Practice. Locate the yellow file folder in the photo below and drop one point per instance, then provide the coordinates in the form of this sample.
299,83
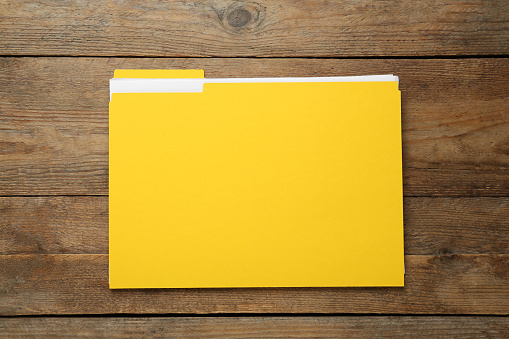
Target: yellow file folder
257,185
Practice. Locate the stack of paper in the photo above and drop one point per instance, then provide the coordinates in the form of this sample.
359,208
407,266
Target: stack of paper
254,182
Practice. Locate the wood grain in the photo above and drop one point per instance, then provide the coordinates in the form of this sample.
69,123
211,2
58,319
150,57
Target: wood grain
54,119
78,284
51,225
228,28
264,327
79,225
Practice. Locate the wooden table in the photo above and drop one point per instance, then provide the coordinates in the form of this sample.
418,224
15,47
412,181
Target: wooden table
451,57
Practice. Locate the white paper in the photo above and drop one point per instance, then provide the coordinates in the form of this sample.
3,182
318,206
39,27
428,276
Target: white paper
126,85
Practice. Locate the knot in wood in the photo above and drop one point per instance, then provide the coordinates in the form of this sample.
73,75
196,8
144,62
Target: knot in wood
238,17
242,16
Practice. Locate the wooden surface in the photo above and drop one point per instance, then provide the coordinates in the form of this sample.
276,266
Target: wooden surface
451,57
264,327
266,28
79,225
78,284
54,119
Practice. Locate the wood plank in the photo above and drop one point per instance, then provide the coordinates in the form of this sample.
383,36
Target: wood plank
79,225
249,327
78,284
52,225
54,119
262,28
456,225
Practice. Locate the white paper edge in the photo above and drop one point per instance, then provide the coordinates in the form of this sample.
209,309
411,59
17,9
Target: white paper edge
127,85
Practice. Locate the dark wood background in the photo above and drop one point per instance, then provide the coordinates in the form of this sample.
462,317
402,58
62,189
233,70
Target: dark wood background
451,57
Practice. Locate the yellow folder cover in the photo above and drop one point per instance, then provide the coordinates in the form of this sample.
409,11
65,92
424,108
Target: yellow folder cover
257,185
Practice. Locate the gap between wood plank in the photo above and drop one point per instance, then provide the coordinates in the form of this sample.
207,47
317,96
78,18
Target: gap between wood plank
356,57
250,315
444,255
107,195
